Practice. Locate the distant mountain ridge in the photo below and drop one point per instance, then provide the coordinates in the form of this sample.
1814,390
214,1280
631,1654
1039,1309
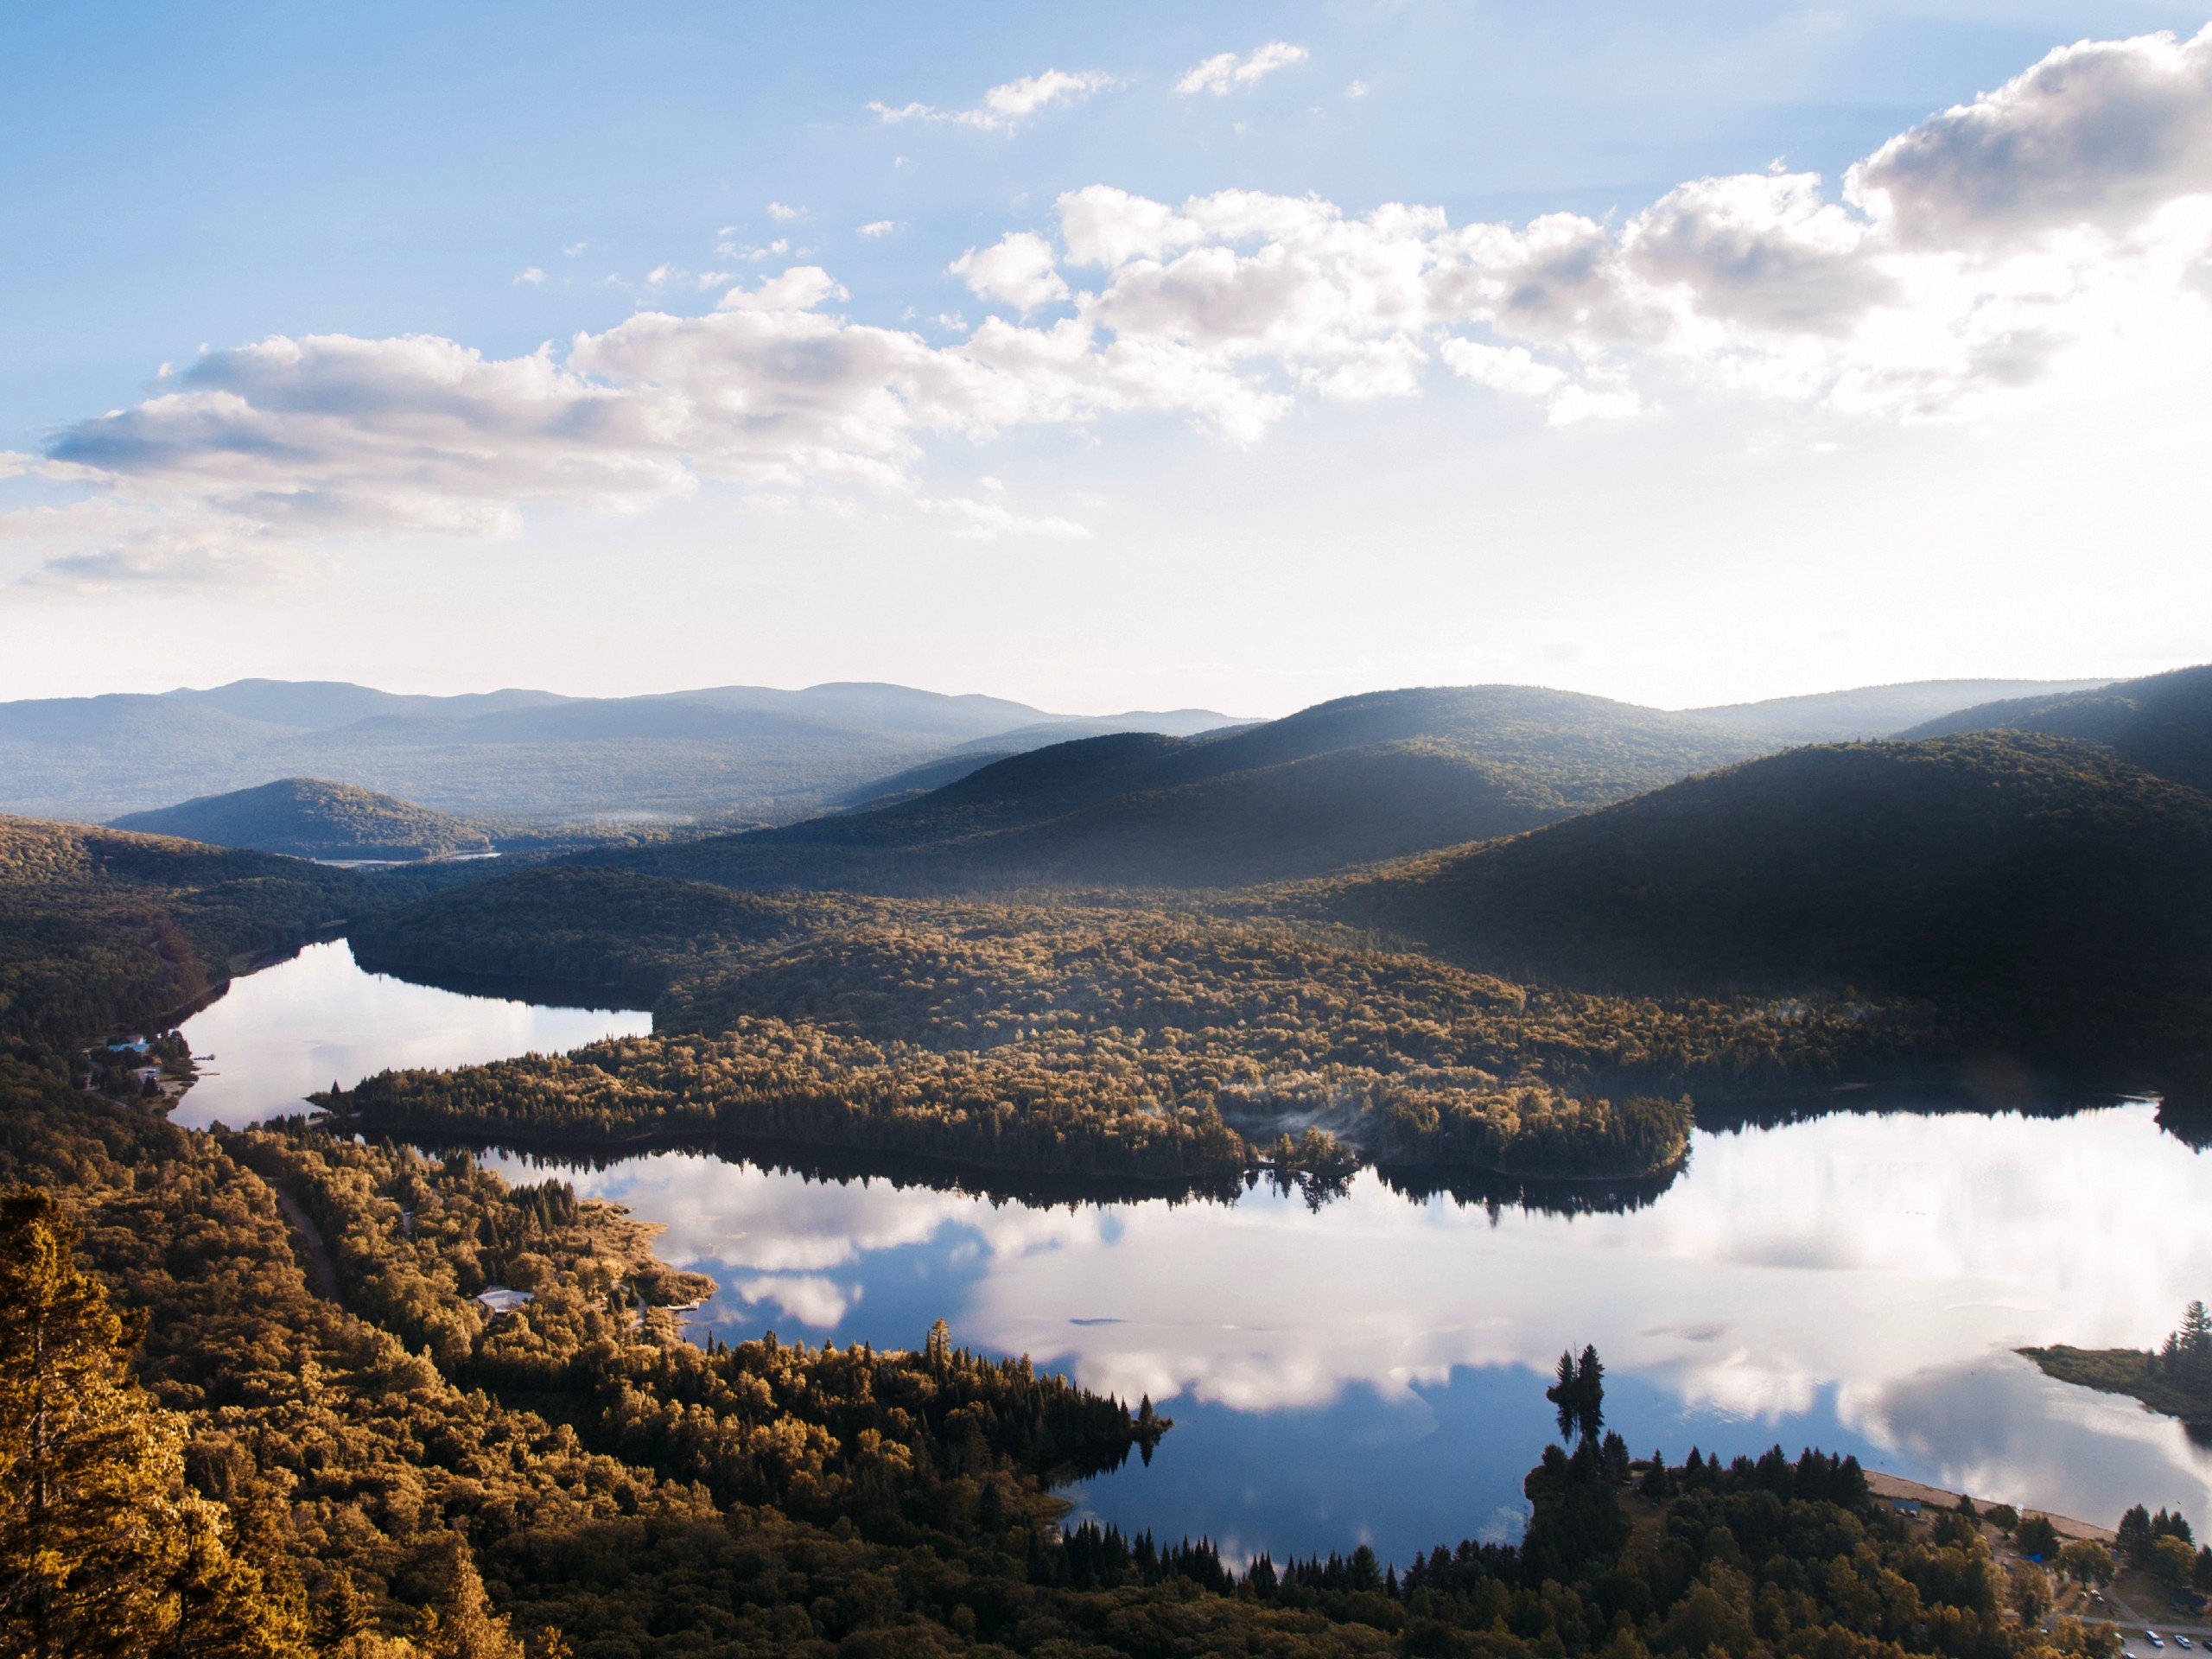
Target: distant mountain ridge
1345,782
2162,723
727,752
313,817
1870,711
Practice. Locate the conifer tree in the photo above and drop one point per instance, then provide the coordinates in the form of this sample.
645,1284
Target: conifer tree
103,1554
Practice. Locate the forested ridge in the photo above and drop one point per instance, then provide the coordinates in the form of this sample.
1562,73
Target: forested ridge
2052,899
98,927
1345,782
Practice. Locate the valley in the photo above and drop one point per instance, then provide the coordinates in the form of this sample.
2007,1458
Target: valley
1298,1085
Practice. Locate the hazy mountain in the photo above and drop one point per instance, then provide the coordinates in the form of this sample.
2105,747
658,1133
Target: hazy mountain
1871,710
2009,868
727,752
1344,782
318,705
2163,723
312,817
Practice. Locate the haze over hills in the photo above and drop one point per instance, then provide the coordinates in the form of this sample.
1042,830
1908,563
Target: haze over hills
2162,723
729,753
1344,782
313,817
1872,710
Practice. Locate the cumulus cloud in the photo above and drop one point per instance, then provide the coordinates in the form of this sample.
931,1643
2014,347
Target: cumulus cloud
1005,107
876,228
1225,71
2060,227
1018,269
2102,134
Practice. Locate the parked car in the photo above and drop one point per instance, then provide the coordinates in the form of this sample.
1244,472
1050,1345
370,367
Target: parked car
2156,1640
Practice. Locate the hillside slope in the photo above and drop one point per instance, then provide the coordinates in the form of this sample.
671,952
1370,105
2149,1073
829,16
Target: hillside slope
99,926
1345,782
2034,878
313,817
2162,723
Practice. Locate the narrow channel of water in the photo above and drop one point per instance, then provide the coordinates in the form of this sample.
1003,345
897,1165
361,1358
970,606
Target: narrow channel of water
1374,1370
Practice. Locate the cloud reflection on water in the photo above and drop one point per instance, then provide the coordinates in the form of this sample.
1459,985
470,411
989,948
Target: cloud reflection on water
1871,1273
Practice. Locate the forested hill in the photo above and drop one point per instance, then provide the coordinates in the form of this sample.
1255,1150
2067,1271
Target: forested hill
1345,782
2162,724
313,817
99,926
2037,879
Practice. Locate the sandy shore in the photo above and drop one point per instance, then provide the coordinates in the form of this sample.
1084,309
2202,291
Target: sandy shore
1937,1497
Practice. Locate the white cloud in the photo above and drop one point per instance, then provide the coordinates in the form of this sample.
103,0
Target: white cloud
876,228
1975,262
533,275
777,211
2102,134
1503,368
1018,269
1225,71
1005,107
1357,89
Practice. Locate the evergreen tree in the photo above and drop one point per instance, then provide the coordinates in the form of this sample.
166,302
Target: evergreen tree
463,1625
2135,1534
103,1554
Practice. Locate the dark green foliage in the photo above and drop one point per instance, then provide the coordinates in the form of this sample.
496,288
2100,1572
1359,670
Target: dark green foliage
313,817
2162,723
2176,1379
2056,899
99,927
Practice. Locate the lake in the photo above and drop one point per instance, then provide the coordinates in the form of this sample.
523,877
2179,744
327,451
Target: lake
316,1019
1373,1369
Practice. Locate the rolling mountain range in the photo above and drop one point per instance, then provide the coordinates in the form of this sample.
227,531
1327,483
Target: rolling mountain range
2041,880
1346,782
2159,723
739,752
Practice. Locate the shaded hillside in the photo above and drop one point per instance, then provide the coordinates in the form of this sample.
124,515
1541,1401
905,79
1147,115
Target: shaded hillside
1346,782
1870,711
2021,879
313,817
743,753
2163,723
99,926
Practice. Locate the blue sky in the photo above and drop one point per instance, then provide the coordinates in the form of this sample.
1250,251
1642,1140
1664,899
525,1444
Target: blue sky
1735,499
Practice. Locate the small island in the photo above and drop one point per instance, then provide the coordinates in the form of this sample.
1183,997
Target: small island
2175,1379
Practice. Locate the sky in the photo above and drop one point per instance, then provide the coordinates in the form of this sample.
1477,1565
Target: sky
1139,356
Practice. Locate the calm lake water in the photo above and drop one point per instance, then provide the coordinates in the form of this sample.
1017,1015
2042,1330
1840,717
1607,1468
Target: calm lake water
317,1019
1374,1370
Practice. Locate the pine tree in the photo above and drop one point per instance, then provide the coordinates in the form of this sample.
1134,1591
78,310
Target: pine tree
103,1554
463,1625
